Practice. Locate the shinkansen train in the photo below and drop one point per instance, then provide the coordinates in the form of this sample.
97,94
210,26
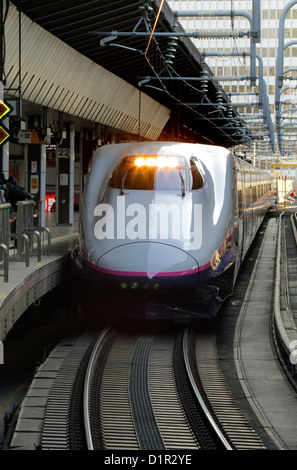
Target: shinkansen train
164,227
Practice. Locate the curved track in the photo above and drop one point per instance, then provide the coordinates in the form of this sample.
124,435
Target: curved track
144,392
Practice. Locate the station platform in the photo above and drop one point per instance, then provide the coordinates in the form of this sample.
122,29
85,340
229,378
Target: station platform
28,284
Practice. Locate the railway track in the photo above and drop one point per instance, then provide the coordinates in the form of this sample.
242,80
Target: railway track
284,326
154,390
149,391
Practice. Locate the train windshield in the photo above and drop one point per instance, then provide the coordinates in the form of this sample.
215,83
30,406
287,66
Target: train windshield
150,173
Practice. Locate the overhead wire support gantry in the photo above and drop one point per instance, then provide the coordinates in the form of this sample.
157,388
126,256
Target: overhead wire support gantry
280,73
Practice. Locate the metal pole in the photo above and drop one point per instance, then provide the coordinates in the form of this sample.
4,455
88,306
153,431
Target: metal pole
263,98
113,35
1,41
279,70
71,172
1,67
280,55
256,21
42,184
20,64
5,151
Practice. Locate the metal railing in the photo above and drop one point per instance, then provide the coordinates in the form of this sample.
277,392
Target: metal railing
21,229
25,230
43,230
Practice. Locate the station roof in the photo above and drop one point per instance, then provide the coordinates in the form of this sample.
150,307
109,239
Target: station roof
200,116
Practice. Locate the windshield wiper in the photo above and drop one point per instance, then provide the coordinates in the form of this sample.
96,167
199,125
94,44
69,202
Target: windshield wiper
183,185
123,182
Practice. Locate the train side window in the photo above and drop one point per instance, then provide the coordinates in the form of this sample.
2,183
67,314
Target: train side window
254,193
197,180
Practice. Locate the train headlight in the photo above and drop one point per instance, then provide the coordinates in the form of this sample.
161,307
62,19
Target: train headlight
150,161
162,162
140,161
159,162
171,163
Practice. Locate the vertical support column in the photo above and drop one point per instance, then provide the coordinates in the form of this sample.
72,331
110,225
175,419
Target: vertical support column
1,41
5,152
279,72
42,183
71,173
65,179
81,173
62,193
279,67
253,64
35,158
26,152
256,21
1,84
33,170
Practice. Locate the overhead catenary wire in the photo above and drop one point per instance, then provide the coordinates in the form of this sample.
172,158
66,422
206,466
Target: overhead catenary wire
190,108
190,86
154,27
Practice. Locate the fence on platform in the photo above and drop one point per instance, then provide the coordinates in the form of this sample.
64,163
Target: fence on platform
21,234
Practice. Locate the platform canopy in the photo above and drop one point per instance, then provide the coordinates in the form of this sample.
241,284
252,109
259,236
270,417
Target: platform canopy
168,68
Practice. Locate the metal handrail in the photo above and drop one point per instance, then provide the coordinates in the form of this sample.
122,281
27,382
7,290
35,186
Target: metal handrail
43,229
25,226
25,232
5,249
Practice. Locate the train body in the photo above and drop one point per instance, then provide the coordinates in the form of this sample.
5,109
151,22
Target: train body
164,227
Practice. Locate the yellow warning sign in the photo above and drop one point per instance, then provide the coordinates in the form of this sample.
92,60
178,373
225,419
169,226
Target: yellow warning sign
34,184
4,109
4,134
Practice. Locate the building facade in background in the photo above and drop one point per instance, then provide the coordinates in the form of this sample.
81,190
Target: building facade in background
240,66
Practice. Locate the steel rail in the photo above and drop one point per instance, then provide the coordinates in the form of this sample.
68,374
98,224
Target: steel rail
97,346
204,408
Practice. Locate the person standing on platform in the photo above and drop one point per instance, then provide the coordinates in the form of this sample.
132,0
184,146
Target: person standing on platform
13,192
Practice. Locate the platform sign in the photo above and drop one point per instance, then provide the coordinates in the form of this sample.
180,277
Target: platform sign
34,184
4,134
5,109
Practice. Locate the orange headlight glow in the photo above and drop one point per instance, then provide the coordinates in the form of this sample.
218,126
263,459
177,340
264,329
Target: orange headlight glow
159,162
171,162
150,161
139,161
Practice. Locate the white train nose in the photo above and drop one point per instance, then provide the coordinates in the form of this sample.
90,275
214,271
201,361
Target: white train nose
148,260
